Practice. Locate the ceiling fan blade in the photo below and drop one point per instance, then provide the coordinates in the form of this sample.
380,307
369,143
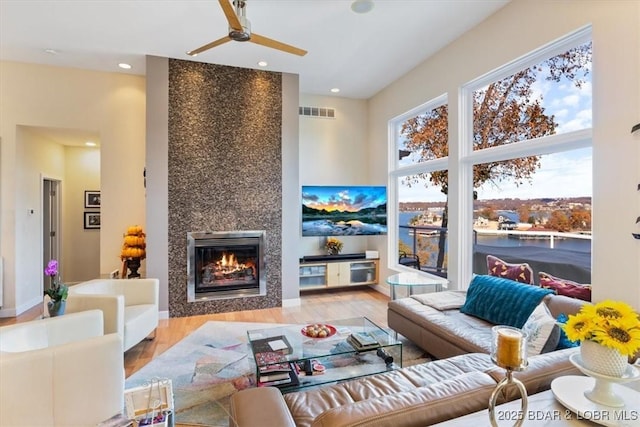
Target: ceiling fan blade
209,46
274,44
230,13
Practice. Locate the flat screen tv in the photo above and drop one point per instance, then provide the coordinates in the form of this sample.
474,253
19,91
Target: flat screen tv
344,210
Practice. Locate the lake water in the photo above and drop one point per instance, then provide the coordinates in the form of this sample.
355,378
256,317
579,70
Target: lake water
580,245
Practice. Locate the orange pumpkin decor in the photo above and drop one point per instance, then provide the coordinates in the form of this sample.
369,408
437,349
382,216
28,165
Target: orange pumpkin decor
134,244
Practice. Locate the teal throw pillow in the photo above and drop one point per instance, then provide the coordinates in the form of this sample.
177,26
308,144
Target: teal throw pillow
502,301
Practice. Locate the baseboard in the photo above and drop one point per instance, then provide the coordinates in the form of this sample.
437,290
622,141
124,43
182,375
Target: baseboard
15,312
8,312
163,315
293,302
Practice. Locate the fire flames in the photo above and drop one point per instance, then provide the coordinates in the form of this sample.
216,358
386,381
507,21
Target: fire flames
229,264
228,268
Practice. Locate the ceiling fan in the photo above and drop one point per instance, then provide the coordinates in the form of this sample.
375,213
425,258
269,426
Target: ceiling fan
240,31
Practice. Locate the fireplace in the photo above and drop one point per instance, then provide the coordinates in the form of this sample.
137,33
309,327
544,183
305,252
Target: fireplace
225,264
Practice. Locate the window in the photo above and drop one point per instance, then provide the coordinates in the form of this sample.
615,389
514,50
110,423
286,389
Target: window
522,160
551,211
422,225
419,181
549,98
423,137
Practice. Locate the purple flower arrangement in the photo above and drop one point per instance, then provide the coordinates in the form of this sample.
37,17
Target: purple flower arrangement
57,291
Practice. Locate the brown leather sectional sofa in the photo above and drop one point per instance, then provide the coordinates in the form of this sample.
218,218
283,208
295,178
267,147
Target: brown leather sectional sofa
418,395
461,382
443,332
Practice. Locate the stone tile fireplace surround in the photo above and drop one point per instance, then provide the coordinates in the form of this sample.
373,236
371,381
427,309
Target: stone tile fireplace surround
224,171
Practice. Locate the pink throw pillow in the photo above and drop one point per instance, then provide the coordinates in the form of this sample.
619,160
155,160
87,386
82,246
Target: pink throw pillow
565,287
518,272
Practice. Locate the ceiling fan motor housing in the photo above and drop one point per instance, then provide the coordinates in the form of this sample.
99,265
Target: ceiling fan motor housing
241,35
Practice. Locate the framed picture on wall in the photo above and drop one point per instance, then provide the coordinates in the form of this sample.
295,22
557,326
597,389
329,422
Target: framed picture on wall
91,199
91,220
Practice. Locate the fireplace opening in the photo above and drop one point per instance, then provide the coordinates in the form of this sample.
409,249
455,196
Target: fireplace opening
225,264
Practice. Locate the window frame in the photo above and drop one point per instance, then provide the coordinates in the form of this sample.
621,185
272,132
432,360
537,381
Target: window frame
462,157
397,171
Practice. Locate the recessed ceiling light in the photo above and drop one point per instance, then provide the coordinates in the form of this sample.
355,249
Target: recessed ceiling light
335,90
263,63
124,66
362,6
51,51
90,144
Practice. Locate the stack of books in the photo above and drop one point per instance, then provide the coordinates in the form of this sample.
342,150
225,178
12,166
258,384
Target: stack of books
273,366
363,341
278,375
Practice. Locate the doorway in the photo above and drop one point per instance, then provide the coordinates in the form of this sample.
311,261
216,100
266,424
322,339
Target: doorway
50,222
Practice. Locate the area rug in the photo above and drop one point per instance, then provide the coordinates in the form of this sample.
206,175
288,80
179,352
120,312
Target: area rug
211,364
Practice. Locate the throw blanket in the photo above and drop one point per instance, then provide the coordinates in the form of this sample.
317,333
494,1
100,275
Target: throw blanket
502,301
447,300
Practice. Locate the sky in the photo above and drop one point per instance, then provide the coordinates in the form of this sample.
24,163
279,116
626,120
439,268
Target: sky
567,174
343,198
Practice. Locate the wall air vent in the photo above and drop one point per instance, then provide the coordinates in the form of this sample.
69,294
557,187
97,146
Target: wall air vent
321,112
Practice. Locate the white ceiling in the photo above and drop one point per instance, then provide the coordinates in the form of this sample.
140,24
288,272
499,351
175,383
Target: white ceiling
358,53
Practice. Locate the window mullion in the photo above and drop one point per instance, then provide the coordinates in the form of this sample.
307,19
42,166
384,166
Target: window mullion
544,145
461,195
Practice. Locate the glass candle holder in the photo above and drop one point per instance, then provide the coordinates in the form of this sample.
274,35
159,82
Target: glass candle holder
508,351
509,347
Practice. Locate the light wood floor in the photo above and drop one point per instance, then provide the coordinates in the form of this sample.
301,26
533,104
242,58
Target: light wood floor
314,307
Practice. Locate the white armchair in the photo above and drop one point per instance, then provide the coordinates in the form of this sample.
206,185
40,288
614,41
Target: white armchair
130,306
60,371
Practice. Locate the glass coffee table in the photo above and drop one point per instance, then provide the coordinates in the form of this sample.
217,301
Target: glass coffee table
291,357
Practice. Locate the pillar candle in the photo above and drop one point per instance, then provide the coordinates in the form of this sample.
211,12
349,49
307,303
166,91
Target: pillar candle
508,348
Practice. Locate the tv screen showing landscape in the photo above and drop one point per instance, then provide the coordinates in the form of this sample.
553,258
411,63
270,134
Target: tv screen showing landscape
344,210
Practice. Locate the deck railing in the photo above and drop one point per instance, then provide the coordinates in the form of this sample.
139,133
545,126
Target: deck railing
551,236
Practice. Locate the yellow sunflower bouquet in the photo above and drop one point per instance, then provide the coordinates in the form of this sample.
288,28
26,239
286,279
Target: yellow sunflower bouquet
610,323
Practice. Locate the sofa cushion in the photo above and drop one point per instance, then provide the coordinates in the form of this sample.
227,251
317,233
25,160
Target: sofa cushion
542,331
364,398
541,371
565,287
18,339
502,301
438,402
468,333
447,300
517,272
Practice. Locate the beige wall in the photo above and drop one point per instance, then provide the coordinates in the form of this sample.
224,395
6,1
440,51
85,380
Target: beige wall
77,169
80,247
111,104
515,30
38,158
335,152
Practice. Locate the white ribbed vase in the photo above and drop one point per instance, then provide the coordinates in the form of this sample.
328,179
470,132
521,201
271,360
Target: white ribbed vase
603,360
